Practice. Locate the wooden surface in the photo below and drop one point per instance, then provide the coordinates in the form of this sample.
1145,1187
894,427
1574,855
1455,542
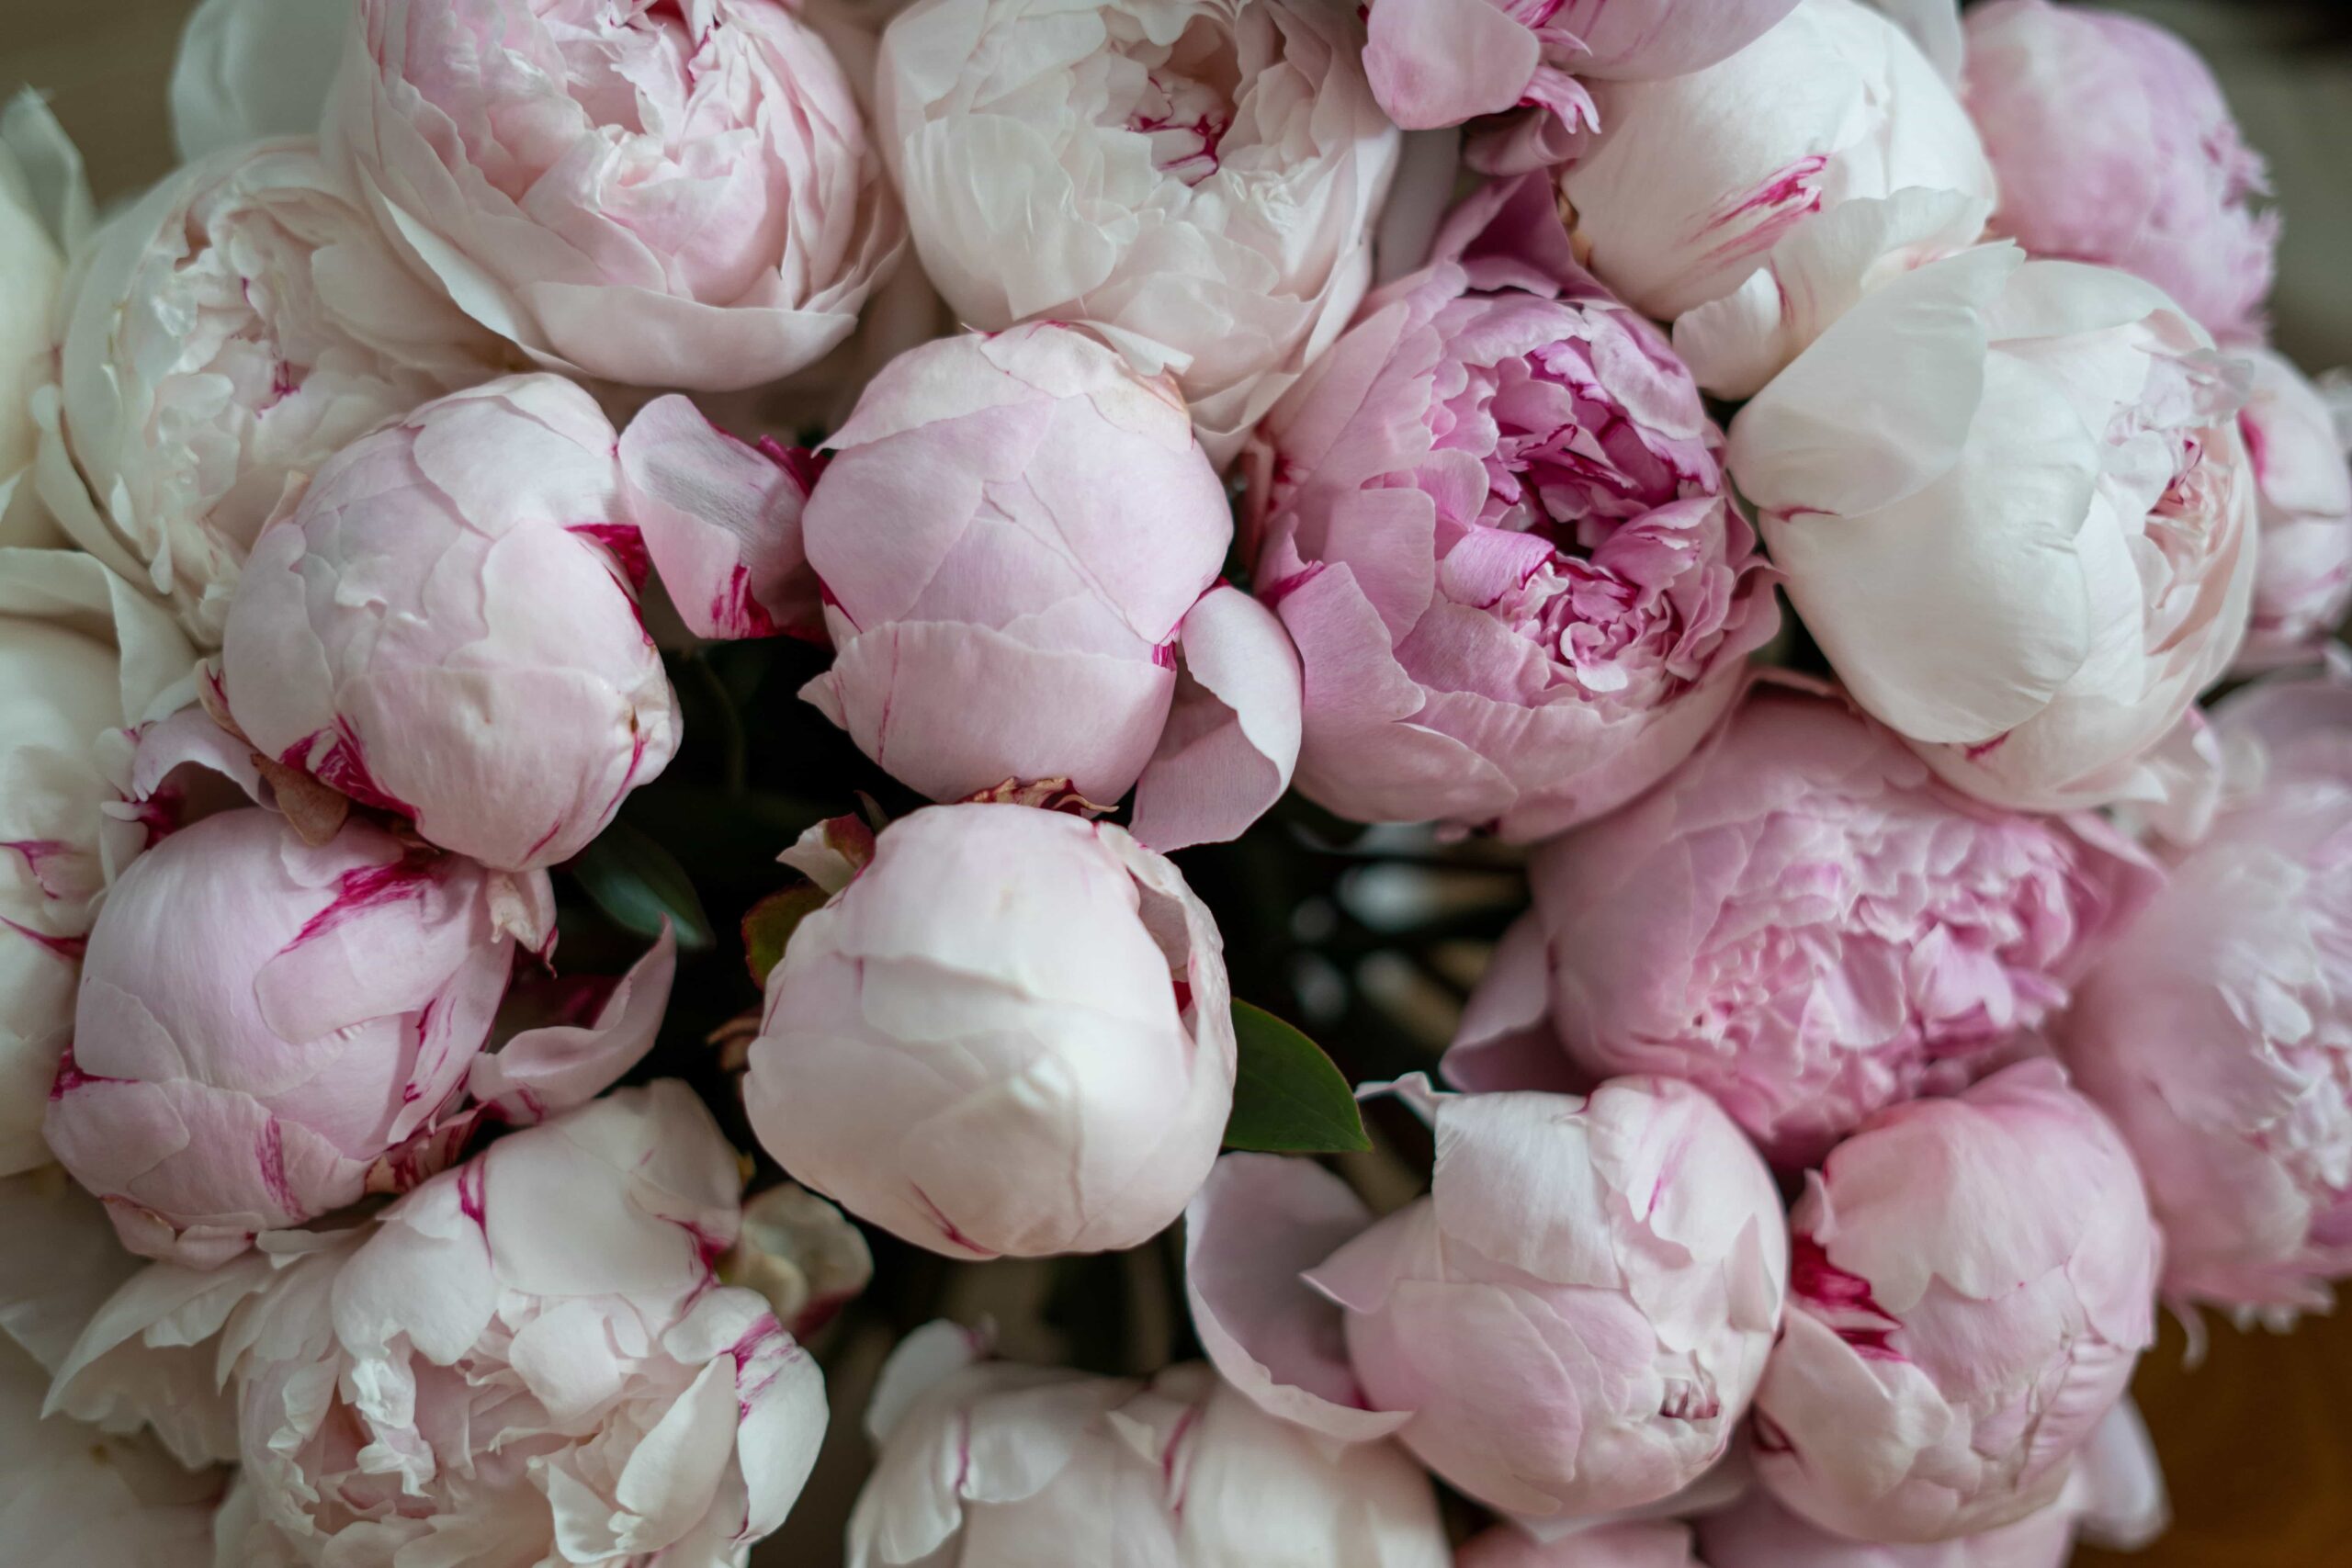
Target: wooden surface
2256,1442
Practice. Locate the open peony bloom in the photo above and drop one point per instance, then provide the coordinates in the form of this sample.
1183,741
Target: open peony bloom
1806,925
1010,1034
1493,521
1439,62
1972,1284
268,1029
445,627
987,1464
1745,170
223,337
2113,145
2297,439
249,69
1633,1544
2014,510
1197,181
1051,560
2218,1033
1571,1324
670,193
82,658
527,1359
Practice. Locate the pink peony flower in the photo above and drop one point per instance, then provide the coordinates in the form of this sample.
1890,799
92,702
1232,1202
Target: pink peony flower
674,193
1010,1034
1197,182
1494,522
2218,1032
2014,511
2113,145
1971,1285
528,1358
1696,181
445,627
2296,438
1046,603
1571,1324
222,338
1808,926
268,1029
986,1464
43,206
1439,62
82,659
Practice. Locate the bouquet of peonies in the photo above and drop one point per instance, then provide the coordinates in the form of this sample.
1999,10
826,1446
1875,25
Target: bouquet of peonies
1158,513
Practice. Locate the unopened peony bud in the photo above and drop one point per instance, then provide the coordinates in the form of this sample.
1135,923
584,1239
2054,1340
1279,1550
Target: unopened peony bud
1044,605
1972,1282
1570,1325
1010,1034
445,627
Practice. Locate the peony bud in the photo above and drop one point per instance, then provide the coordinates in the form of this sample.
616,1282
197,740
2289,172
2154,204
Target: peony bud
1972,1284
82,658
445,627
2218,1032
223,337
1493,523
2015,513
801,1254
2112,145
673,194
1009,1036
2296,438
992,1465
1571,1324
1696,181
1808,926
1198,184
1057,537
268,1029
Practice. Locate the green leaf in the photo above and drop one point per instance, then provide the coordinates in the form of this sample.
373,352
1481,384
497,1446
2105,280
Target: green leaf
1288,1099
769,927
635,881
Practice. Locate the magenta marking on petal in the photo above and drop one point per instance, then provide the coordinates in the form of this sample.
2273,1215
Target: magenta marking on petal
1686,1401
1275,593
804,466
624,543
472,1200
735,612
269,1158
369,887
69,948
1169,1457
766,1344
37,853
947,1226
1984,749
69,1077
1839,1299
342,766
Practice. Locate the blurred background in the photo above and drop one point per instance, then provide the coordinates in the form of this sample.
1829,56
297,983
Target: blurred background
2257,1438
